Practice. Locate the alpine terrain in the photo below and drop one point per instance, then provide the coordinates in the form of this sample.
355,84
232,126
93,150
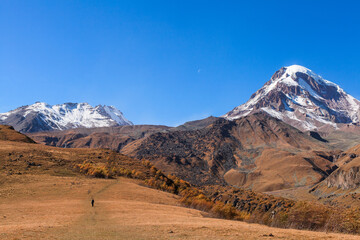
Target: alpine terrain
303,99
255,164
44,117
53,187
258,152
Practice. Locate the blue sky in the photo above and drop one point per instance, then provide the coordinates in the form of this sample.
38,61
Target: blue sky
167,62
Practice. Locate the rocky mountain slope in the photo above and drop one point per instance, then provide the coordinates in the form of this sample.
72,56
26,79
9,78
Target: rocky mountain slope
34,175
257,152
114,138
303,99
341,187
259,145
44,117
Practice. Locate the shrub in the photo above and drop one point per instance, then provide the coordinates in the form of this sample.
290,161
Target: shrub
249,206
90,169
306,215
351,221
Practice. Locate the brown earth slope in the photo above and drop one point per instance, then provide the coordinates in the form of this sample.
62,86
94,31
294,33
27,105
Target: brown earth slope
7,133
52,207
346,137
19,155
342,186
114,138
44,196
258,152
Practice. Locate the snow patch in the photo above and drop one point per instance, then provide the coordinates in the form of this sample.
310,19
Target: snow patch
318,110
72,115
309,89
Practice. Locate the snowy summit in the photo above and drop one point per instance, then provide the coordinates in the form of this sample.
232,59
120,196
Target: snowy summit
303,99
44,117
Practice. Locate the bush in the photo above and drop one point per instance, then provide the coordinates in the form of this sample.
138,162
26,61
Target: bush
90,169
249,206
351,221
306,215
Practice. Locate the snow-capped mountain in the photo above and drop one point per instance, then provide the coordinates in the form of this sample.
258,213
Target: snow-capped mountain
44,117
303,99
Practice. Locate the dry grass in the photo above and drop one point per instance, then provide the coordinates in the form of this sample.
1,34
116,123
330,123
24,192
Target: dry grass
50,207
23,159
7,133
236,204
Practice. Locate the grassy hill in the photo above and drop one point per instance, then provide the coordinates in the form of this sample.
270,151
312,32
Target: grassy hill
21,162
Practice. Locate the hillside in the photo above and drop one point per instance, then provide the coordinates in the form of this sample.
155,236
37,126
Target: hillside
54,178
123,210
342,186
7,133
344,138
257,152
114,138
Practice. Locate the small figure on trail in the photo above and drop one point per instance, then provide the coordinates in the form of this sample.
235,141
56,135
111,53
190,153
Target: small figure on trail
92,202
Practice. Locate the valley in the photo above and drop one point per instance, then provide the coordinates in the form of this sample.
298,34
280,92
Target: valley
54,207
288,158
176,120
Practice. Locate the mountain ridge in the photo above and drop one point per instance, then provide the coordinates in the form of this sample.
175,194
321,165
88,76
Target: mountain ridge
41,116
303,99
257,152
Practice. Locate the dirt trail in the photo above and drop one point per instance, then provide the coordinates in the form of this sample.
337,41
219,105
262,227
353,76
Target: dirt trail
44,207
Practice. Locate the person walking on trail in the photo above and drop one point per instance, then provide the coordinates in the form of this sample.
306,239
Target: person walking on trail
92,202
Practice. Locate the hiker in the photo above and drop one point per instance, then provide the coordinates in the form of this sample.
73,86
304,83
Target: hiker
92,202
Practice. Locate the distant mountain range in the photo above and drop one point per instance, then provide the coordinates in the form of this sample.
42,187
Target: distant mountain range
269,143
303,99
257,151
44,117
294,94
297,137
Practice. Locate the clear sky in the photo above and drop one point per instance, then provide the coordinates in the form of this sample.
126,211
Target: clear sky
167,62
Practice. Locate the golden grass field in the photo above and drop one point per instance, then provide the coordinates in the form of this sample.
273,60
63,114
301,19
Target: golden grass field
54,207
